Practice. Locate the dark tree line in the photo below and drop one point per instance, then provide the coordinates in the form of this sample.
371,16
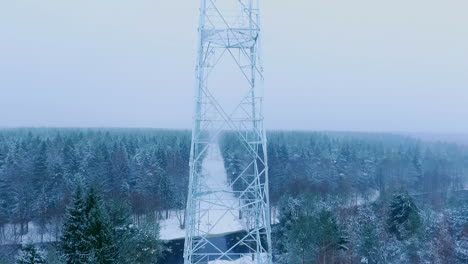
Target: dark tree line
355,164
147,170
40,169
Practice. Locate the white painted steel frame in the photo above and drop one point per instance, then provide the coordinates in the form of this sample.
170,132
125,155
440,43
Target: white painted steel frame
229,28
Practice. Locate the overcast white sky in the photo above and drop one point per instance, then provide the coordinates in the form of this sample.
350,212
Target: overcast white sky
367,65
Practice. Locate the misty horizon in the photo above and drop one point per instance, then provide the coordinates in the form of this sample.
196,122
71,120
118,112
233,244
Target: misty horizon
357,66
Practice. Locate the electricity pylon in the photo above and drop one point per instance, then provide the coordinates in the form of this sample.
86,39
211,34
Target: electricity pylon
229,40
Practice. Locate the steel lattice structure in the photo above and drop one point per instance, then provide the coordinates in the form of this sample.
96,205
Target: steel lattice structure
229,38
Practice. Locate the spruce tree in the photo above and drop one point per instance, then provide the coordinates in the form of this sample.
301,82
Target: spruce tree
40,181
74,241
134,245
30,255
3,154
139,245
308,232
404,220
99,231
40,167
5,199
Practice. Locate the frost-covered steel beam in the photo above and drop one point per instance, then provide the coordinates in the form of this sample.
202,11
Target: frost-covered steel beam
229,30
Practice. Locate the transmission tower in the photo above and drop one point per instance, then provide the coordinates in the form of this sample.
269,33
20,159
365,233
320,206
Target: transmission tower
228,99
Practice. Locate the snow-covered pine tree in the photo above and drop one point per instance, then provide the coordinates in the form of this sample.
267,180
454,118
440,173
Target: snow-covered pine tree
139,245
30,255
74,241
40,167
99,230
40,181
404,219
135,245
308,232
120,170
5,199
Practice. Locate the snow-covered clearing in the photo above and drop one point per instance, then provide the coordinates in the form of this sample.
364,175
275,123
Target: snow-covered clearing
218,211
170,228
243,260
218,214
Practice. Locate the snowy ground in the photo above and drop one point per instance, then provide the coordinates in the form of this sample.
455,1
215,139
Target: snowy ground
218,211
244,260
170,228
218,215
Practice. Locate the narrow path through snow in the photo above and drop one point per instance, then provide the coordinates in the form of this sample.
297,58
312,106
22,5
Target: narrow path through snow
220,214
220,206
